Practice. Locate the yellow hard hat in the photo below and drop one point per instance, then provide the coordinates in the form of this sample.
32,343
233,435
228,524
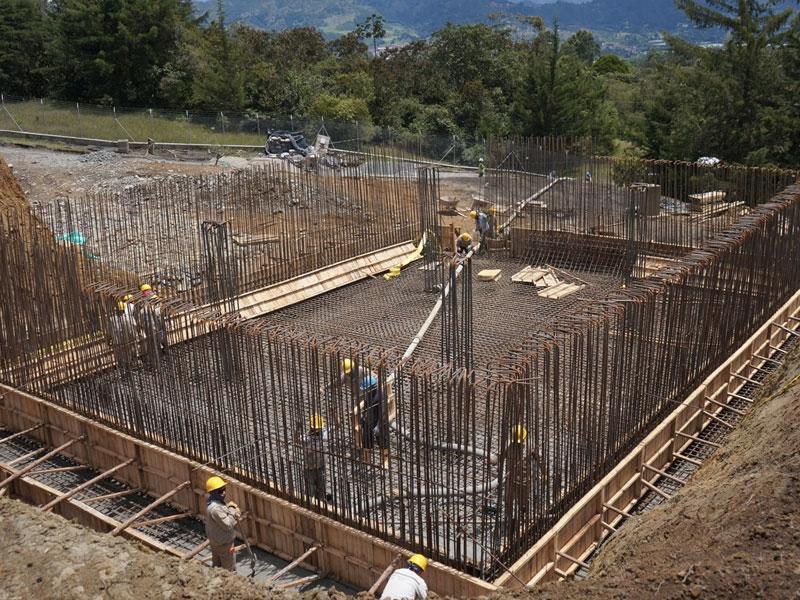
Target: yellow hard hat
121,306
418,560
492,210
316,421
519,434
347,366
145,287
473,214
127,298
214,483
466,237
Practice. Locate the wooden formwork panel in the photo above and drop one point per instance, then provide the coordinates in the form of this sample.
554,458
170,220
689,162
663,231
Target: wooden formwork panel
580,529
278,526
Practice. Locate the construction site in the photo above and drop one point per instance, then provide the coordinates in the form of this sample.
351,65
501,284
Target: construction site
570,369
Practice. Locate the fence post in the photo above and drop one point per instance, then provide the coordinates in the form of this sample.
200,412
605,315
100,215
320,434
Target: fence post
258,124
188,126
222,120
80,121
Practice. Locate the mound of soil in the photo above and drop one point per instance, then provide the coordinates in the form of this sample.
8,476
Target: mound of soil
11,195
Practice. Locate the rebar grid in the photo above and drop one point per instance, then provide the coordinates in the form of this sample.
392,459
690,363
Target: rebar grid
448,472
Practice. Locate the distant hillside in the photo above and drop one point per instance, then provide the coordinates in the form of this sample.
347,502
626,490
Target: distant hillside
419,18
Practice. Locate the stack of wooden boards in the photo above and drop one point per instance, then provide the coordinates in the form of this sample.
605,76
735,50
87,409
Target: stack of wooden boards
548,284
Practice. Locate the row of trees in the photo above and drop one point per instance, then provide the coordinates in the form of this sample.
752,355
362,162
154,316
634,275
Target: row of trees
737,101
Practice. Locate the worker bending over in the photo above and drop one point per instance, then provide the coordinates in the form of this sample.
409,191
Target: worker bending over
407,583
221,521
314,457
463,244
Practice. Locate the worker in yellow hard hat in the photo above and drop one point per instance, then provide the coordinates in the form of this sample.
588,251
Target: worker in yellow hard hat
406,583
152,325
463,244
121,335
221,521
314,443
524,477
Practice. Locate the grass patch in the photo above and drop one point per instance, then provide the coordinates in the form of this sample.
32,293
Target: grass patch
162,126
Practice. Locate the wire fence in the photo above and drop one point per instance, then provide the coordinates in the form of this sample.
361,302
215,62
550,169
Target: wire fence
218,128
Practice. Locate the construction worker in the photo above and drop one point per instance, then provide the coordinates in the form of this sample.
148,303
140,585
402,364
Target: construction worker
221,521
407,583
482,228
314,457
463,244
122,334
481,168
518,462
151,324
369,403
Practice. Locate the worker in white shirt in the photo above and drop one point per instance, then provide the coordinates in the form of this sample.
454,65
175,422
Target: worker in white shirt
407,583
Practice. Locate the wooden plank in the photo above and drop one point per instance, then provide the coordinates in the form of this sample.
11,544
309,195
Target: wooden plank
388,571
9,480
111,496
661,493
58,470
85,485
489,275
293,564
123,526
166,519
301,582
21,433
196,550
24,457
697,439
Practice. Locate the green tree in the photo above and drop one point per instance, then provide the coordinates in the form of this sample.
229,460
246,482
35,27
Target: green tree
218,84
24,32
374,28
583,45
116,50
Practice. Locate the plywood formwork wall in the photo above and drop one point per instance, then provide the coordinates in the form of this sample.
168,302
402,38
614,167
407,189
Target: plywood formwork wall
276,525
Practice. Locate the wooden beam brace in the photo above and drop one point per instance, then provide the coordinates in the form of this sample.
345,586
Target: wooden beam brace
663,474
618,510
20,434
611,528
25,457
697,439
726,406
196,550
301,582
580,563
111,496
766,359
166,519
661,493
293,564
688,459
84,485
740,397
123,526
753,381
59,470
787,329
776,349
25,470
388,571
718,420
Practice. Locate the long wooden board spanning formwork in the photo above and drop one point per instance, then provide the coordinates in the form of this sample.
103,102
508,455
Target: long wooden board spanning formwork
596,515
277,526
